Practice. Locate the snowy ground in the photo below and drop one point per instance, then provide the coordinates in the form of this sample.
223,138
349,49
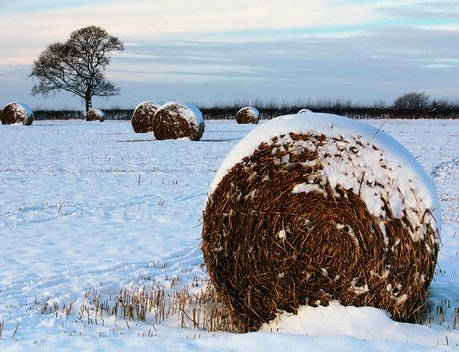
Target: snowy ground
89,209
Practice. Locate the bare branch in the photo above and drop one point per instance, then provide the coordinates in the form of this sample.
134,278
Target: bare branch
77,66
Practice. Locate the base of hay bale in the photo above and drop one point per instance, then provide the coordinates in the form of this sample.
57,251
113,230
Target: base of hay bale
248,114
176,120
95,115
278,232
16,113
142,117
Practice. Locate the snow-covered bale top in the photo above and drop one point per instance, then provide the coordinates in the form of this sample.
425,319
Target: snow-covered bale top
95,115
248,114
310,208
17,113
142,117
176,120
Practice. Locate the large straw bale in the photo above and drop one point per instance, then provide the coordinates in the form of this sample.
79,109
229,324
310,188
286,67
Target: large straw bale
16,113
142,117
95,115
248,114
311,208
176,120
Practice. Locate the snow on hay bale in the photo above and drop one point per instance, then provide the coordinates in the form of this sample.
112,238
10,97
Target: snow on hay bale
142,117
95,115
248,114
176,120
310,208
17,113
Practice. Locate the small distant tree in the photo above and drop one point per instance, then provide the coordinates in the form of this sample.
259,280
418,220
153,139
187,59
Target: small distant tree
77,66
412,101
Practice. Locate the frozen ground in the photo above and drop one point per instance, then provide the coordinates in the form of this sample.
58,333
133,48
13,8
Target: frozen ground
89,209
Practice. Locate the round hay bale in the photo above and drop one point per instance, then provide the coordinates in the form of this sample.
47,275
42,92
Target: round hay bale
176,120
142,117
17,113
304,111
95,115
310,208
248,114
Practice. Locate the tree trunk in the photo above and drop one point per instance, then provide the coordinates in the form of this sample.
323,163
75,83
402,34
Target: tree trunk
88,102
88,98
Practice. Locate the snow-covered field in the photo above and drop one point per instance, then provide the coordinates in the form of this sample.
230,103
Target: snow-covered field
91,209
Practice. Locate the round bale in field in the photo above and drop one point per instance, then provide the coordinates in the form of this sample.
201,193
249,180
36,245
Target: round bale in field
304,111
176,120
310,208
95,115
17,113
142,117
248,114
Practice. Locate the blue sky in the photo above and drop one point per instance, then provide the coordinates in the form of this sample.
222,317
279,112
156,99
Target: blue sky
209,51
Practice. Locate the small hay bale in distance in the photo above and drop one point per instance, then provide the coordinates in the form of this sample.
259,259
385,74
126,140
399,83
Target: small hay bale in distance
95,115
142,117
310,208
249,114
17,113
176,120
304,111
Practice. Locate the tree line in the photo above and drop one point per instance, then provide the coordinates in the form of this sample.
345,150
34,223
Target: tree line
402,108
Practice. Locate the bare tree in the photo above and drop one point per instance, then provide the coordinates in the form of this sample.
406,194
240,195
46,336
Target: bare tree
77,66
412,101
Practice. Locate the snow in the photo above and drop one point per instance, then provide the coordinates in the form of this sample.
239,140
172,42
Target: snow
98,208
148,103
97,112
371,156
306,188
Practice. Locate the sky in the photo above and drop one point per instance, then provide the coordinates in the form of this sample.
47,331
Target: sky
222,51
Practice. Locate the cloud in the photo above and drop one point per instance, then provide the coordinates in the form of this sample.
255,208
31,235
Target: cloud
174,19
